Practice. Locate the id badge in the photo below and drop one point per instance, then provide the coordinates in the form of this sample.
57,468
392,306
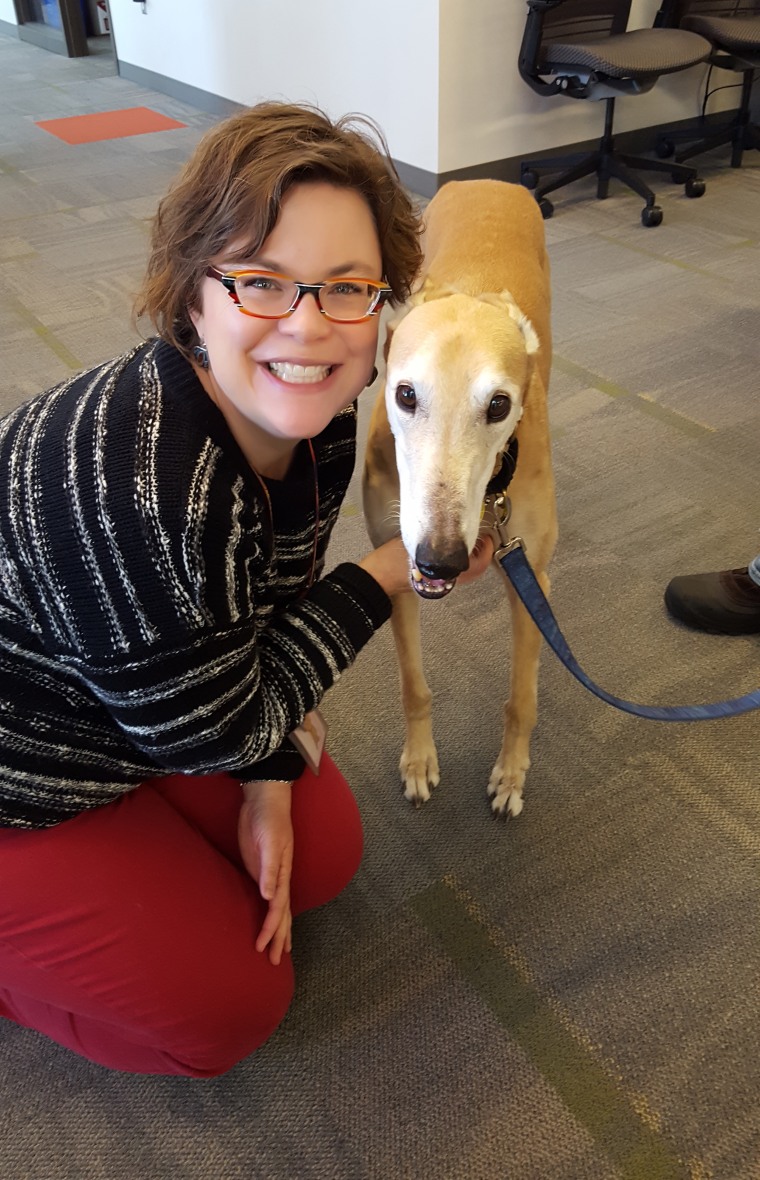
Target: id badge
309,739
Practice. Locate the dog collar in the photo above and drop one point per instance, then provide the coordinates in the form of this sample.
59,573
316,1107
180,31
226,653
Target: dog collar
501,479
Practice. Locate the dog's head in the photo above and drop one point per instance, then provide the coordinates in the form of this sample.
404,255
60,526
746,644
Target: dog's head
458,370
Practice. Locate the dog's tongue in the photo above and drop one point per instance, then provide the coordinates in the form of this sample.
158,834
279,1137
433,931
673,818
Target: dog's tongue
430,587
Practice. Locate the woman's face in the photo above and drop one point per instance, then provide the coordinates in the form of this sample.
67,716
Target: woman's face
323,231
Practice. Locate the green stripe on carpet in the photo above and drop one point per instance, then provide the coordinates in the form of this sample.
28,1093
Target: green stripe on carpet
45,334
688,426
594,1098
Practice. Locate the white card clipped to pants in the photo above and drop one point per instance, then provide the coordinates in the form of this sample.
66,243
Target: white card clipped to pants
309,739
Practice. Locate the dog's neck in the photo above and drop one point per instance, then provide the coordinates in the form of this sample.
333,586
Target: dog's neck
504,469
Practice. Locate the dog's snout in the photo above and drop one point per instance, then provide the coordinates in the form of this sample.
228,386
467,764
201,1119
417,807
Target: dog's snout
443,564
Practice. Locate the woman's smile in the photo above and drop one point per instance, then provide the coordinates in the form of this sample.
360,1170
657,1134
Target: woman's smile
294,373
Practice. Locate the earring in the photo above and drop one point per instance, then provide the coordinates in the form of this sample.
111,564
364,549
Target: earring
373,377
200,352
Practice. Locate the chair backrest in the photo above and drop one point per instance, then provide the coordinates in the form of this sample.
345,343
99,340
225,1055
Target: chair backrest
673,11
590,20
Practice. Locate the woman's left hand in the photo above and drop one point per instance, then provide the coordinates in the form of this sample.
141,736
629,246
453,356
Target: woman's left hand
265,836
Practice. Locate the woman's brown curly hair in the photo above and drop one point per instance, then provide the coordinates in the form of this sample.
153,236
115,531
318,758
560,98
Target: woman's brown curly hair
232,188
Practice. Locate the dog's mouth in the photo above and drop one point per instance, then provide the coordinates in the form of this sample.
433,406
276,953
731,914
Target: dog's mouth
430,587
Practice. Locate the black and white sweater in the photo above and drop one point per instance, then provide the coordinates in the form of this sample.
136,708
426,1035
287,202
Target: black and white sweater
148,623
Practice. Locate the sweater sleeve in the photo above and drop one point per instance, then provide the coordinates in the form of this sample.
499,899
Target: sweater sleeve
286,763
228,699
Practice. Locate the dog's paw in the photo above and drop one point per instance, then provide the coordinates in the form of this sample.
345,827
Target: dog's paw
419,773
505,789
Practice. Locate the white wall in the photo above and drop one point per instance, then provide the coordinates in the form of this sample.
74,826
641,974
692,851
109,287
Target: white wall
345,55
439,76
8,12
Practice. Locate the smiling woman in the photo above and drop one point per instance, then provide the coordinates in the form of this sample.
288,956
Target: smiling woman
167,627
280,378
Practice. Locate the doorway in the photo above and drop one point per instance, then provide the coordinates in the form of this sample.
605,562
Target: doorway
64,26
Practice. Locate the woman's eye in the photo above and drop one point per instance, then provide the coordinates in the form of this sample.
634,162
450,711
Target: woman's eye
406,398
347,289
499,407
258,283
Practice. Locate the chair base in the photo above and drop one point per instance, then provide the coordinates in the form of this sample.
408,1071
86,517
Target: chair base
740,132
607,164
742,136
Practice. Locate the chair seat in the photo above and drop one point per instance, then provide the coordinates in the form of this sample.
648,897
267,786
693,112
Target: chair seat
638,53
739,34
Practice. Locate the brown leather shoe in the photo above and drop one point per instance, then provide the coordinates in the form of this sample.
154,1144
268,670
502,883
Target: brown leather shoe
726,603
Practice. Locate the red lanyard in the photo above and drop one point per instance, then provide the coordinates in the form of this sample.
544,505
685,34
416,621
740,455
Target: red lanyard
265,490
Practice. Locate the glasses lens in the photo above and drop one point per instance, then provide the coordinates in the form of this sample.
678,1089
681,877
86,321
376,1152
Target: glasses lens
263,294
347,299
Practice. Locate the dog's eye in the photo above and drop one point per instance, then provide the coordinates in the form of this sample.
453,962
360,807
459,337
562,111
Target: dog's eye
406,398
499,407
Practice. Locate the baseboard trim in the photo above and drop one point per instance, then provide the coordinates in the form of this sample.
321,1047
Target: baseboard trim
640,141
193,96
9,29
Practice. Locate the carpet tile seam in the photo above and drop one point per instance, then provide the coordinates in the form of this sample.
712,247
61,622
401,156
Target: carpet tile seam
645,1153
47,337
676,262
681,422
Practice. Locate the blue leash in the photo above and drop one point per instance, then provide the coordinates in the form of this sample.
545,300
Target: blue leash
511,557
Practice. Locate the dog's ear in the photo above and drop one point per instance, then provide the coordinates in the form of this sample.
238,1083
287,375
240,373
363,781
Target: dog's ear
532,343
506,300
425,293
421,295
428,291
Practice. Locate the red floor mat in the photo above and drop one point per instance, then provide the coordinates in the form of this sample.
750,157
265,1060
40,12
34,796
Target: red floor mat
108,125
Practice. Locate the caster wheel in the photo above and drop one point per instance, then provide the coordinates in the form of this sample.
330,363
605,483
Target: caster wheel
546,207
665,148
695,187
651,215
529,178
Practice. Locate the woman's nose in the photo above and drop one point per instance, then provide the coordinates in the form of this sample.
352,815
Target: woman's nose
306,318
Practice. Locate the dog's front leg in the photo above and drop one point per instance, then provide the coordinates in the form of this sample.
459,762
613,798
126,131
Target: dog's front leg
520,712
419,760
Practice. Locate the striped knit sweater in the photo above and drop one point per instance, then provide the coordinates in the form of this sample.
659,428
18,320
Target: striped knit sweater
149,622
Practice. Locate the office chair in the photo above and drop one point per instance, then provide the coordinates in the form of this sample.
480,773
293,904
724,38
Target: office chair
582,49
733,29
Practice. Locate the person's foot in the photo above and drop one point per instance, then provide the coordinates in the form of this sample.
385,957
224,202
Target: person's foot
725,603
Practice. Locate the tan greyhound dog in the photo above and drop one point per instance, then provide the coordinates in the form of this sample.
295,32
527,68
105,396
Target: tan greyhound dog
467,369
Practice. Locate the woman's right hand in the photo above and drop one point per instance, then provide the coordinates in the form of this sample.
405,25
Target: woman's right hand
265,836
389,566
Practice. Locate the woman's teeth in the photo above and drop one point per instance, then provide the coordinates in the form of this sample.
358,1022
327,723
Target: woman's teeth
299,374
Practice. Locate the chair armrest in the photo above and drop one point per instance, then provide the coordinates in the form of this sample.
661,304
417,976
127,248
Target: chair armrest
530,49
530,52
669,15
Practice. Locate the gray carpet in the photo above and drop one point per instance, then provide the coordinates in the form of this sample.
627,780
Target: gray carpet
570,996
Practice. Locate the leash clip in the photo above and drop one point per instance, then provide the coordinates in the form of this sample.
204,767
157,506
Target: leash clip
497,509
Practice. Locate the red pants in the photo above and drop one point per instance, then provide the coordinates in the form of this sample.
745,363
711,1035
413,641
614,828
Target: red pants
127,933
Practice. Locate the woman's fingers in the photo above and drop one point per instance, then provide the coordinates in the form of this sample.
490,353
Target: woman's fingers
281,941
277,922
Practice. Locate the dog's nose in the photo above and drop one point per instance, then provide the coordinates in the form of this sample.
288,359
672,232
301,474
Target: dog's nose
441,564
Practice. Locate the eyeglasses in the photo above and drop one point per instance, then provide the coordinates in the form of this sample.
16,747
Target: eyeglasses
273,296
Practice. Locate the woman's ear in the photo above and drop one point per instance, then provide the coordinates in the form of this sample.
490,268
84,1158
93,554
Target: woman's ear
197,318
